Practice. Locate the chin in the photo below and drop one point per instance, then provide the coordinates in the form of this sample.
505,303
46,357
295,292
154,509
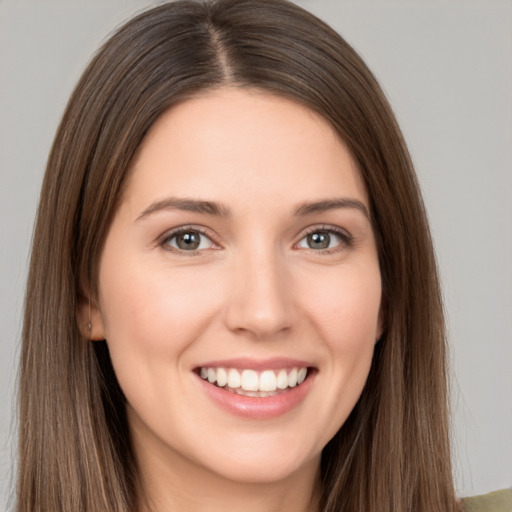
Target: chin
262,460
270,471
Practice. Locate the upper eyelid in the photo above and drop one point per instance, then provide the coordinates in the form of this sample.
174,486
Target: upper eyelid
325,227
187,227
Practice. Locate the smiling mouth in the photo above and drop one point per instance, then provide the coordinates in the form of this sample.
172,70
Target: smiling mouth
254,383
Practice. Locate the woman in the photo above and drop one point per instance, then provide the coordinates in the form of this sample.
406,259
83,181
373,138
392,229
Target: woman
233,298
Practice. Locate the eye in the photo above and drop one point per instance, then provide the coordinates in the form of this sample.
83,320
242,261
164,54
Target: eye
324,240
188,240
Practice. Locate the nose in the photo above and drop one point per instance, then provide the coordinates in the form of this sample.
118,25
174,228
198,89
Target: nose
261,301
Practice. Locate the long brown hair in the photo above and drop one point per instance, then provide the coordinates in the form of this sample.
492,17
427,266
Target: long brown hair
392,454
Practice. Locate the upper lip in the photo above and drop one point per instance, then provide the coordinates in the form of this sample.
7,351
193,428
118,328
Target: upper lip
246,363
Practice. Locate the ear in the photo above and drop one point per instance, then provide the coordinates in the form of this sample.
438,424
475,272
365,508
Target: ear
89,318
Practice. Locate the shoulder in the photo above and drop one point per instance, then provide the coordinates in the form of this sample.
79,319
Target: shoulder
498,501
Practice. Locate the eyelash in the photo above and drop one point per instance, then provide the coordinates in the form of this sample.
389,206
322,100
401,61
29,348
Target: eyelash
346,239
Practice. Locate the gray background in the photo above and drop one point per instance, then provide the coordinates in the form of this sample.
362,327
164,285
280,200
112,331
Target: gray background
447,69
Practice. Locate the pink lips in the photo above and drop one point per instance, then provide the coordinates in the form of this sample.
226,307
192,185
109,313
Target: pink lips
258,408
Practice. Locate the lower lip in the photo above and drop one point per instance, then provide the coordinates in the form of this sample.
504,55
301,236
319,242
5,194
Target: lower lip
258,408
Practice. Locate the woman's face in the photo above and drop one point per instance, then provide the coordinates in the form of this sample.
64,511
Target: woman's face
239,288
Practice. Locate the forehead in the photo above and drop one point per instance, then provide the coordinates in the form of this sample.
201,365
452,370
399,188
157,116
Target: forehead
236,143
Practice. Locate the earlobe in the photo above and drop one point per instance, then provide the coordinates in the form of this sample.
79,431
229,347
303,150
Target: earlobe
89,319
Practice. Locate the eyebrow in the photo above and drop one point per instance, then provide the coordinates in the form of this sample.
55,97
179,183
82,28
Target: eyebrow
219,210
332,204
187,205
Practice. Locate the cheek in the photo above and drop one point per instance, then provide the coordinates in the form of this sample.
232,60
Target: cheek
354,330
153,312
345,307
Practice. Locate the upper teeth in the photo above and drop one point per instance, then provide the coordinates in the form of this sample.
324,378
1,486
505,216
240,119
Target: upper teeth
250,380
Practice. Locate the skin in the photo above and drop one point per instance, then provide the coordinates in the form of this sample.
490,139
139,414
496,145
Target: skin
255,288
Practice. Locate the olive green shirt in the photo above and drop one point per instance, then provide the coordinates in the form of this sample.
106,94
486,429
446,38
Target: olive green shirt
498,501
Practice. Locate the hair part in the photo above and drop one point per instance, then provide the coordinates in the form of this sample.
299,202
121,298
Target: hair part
392,454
